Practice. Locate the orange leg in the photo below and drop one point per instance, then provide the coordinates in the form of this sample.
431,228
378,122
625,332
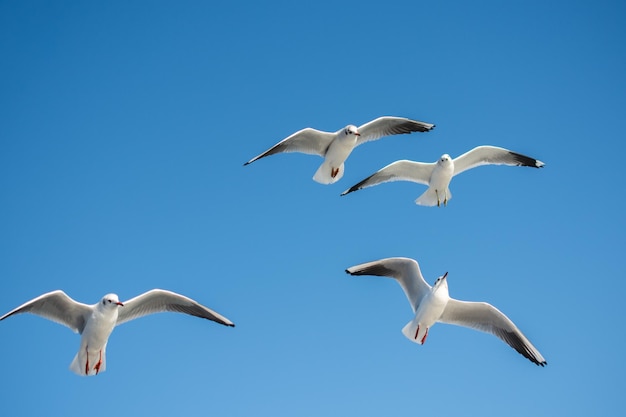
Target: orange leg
417,331
334,172
424,338
87,363
99,364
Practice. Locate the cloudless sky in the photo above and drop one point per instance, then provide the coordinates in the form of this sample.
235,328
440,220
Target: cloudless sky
124,127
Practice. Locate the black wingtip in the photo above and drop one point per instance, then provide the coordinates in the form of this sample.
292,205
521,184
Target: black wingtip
527,161
352,189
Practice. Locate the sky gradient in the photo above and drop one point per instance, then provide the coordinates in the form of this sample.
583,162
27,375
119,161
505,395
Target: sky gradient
124,129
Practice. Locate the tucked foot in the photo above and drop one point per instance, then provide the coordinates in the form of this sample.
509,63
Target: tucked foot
424,338
99,364
87,361
417,331
334,172
437,193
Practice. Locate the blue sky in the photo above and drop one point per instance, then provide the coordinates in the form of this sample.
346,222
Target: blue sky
124,129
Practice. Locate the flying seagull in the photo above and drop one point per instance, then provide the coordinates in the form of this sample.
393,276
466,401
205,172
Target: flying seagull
336,147
434,304
437,175
96,322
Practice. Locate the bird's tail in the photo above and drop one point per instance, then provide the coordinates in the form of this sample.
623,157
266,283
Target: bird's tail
88,363
411,332
323,175
432,197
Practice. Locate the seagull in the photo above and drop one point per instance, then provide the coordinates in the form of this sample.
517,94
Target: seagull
96,322
336,147
437,175
434,304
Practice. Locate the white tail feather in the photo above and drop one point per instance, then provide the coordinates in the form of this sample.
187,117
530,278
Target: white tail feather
323,174
80,361
411,333
431,197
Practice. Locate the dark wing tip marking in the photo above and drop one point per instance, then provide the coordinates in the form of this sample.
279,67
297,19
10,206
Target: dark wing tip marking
357,186
376,270
518,344
526,161
411,126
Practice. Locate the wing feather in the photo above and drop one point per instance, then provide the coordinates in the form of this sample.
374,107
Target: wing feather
405,270
58,307
403,170
492,155
157,301
309,141
485,317
390,125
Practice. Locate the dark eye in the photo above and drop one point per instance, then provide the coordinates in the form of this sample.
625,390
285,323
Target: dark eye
109,301
103,302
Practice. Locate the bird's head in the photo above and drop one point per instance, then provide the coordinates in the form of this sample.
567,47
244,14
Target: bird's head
351,130
111,301
441,282
445,159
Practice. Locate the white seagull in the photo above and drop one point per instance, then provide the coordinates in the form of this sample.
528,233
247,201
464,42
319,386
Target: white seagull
96,322
433,304
437,175
336,147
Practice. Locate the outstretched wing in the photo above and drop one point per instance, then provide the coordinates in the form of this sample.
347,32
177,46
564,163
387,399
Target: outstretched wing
492,155
58,307
487,318
157,301
402,170
406,271
390,125
309,141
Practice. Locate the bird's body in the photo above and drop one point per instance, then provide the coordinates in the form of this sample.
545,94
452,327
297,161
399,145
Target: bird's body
338,151
91,356
437,175
96,322
434,304
336,147
428,311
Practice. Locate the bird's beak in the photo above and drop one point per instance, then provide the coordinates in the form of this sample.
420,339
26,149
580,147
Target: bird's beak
357,134
444,275
120,304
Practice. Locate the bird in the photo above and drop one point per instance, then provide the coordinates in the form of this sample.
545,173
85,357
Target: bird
96,322
434,304
336,147
437,175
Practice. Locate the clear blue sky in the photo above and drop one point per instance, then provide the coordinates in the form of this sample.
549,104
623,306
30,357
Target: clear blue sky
124,128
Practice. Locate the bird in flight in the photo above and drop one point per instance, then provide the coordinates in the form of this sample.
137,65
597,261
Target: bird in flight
434,304
96,322
336,147
437,175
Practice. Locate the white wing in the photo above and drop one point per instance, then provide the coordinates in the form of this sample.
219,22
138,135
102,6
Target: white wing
58,307
309,141
157,301
389,125
492,155
487,318
406,271
402,170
